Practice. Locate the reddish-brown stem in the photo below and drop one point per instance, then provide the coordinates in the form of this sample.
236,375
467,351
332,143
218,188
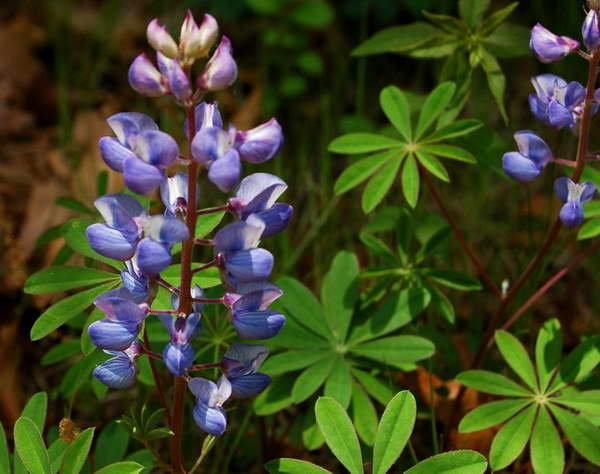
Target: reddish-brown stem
153,355
212,263
208,300
459,236
167,285
570,163
158,312
205,366
210,210
157,382
203,242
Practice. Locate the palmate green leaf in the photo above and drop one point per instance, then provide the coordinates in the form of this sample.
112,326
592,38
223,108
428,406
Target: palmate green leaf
363,415
309,381
434,105
276,397
293,466
56,452
591,209
29,445
547,453
123,467
301,304
510,441
491,382
578,364
378,246
356,143
496,80
35,409
410,181
396,108
375,387
339,383
443,45
496,19
448,23
55,279
398,39
360,171
471,11
589,229
449,151
312,438
462,461
74,205
62,311
548,351
396,349
73,232
582,434
490,414
339,293
61,351
289,361
111,445
587,401
395,428
508,41
77,452
339,434
4,454
516,356
453,130
295,336
452,279
379,185
442,304
433,165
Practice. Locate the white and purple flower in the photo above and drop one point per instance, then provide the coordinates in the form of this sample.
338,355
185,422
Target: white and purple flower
574,195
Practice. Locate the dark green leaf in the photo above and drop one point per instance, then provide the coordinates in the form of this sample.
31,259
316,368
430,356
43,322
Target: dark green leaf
339,383
508,41
276,397
377,389
587,401
29,445
547,453
433,165
158,433
309,381
87,346
312,438
442,304
443,45
293,466
516,356
36,408
55,279
410,181
363,415
548,351
294,336
496,80
395,106
379,185
449,23
56,453
339,433
74,205
583,435
398,39
355,143
124,467
510,441
62,311
394,430
396,349
453,130
205,224
312,14
4,454
490,382
471,11
435,104
589,230
61,351
290,361
360,170
205,279
452,462
495,19
77,452
101,183
378,246
73,232
490,414
54,233
111,445
578,364
452,279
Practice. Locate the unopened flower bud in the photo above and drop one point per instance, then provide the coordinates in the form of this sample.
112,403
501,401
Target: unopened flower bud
179,83
195,41
260,143
145,78
160,39
590,31
221,71
549,47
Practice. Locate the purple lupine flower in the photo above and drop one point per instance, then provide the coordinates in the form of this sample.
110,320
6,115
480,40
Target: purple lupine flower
154,250
235,246
590,30
119,329
530,160
195,41
119,371
177,79
261,143
140,151
240,363
160,39
257,194
135,281
573,195
119,237
145,78
250,316
220,71
208,412
549,47
174,194
555,102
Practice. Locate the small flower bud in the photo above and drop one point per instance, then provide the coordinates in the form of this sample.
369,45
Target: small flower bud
195,42
160,39
549,47
145,78
221,71
590,31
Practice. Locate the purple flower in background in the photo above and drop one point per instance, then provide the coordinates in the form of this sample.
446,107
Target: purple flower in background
221,70
555,102
590,30
549,47
240,363
529,161
573,195
208,412
140,151
119,237
119,329
119,371
257,194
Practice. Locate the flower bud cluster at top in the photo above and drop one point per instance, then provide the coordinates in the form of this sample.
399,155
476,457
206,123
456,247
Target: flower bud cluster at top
558,104
144,155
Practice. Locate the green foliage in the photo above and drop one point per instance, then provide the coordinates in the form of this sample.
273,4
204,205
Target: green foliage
30,446
470,40
77,452
528,416
142,425
415,148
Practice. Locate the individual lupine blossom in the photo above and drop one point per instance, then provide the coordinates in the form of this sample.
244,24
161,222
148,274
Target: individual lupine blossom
221,150
120,328
208,411
136,282
174,194
120,371
178,354
574,195
250,315
237,254
590,31
240,364
530,160
549,47
257,194
555,102
140,151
